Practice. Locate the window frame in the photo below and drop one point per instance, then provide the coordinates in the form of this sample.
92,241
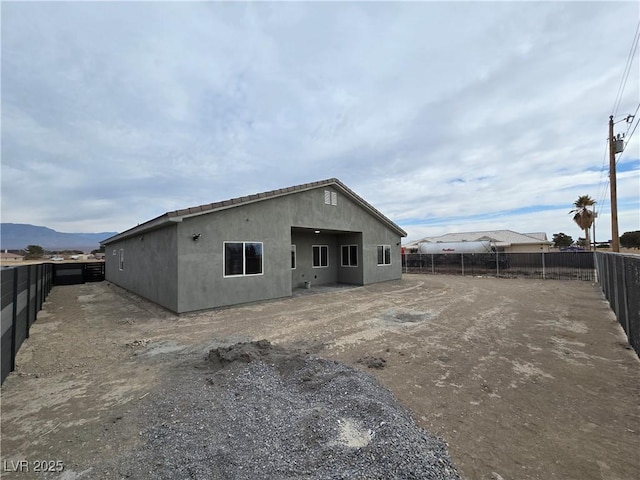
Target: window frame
294,257
320,247
385,249
244,259
350,255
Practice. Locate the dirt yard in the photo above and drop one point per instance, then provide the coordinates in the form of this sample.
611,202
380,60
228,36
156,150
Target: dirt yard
523,379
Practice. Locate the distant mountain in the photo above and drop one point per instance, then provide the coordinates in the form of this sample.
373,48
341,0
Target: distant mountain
14,236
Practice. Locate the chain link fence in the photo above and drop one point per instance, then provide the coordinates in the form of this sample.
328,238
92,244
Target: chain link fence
619,278
543,265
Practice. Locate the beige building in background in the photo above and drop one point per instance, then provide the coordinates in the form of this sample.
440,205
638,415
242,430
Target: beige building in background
506,241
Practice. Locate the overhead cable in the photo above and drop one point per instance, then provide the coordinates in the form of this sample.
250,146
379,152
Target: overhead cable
627,71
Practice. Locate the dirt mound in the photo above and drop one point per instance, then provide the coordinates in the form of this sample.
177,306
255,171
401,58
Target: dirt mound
373,362
259,411
285,361
245,352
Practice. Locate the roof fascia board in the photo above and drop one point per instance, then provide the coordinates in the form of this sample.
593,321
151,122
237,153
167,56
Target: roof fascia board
155,224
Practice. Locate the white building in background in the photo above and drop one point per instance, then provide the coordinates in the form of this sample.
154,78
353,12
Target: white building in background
506,241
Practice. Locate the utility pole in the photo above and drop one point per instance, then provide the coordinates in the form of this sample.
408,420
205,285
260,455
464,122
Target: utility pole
615,240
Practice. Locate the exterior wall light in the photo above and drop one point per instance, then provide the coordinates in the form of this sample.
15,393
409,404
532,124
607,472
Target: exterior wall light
196,237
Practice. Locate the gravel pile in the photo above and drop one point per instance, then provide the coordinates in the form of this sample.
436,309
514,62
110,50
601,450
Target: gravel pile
256,411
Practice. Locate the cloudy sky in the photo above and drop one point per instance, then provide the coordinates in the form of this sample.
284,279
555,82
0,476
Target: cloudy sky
446,116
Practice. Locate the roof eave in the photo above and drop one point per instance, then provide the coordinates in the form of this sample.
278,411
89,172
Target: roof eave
284,192
154,224
176,216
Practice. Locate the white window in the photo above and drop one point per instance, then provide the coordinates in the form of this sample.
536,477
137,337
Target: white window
320,256
121,259
293,257
334,198
242,259
384,255
349,255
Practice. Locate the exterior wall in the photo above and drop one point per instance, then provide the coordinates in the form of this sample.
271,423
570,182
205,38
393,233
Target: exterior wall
373,237
150,266
305,272
202,284
354,275
304,240
278,223
169,267
309,210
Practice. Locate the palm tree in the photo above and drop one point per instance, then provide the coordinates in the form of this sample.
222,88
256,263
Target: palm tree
583,216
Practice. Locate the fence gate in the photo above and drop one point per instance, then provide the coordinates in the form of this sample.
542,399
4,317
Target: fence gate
75,273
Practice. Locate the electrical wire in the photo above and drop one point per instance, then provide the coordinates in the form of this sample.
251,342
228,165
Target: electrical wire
633,118
604,179
628,135
627,71
602,198
616,106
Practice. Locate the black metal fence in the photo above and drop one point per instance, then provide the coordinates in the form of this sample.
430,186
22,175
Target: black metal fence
75,273
543,265
24,290
619,277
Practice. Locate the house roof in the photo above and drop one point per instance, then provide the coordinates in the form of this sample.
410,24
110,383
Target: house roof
501,238
10,256
179,215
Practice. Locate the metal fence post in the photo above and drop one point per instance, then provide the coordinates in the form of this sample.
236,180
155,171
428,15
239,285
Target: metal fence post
544,273
28,301
616,288
14,328
625,299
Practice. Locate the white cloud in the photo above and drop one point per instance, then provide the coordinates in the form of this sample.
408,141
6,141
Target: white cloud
448,116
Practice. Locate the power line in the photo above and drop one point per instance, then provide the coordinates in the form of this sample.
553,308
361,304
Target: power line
604,185
635,116
627,71
628,135
603,179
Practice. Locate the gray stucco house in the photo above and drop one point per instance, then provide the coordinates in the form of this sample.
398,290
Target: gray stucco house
256,248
